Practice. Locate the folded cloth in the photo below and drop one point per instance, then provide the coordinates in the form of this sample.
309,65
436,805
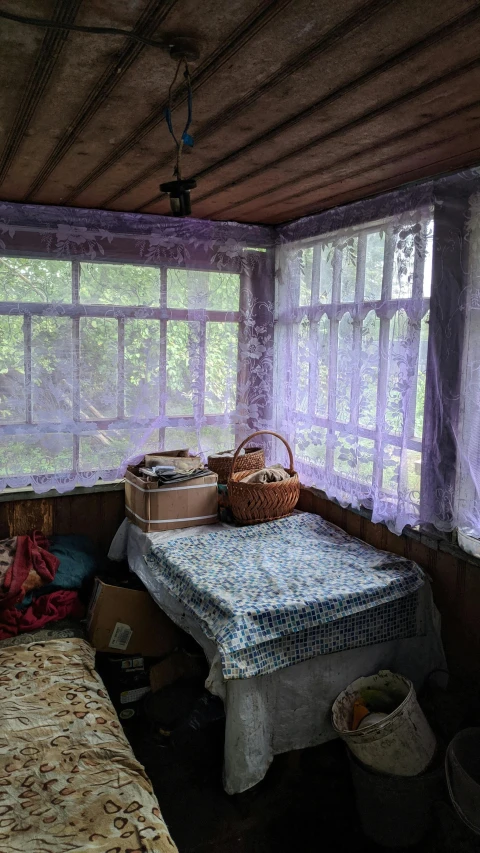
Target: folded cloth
48,608
168,479
272,474
228,453
32,566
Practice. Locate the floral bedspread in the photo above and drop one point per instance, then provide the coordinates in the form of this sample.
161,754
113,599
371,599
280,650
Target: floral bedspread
69,782
275,594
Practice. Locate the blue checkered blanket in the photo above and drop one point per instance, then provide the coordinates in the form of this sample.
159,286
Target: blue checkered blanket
278,593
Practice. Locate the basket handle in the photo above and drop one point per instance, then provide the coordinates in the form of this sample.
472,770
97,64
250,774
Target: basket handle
261,432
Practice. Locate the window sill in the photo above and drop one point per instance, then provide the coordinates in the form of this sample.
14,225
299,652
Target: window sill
28,493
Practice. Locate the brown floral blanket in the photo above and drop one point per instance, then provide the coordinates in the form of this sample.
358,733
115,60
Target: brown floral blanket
69,782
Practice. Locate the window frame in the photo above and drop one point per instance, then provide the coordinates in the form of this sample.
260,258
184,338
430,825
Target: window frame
77,425
386,305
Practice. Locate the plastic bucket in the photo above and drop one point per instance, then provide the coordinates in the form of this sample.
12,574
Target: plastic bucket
396,811
462,769
402,743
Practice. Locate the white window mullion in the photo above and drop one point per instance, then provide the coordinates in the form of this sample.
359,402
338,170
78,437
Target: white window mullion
332,361
27,362
120,367
415,323
383,355
162,367
413,339
76,272
313,331
357,331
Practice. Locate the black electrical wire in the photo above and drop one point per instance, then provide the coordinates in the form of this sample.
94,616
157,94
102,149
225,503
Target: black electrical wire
103,31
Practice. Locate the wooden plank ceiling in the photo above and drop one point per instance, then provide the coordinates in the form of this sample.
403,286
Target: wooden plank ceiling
299,105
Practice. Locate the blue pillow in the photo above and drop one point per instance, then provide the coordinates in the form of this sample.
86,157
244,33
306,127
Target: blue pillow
78,562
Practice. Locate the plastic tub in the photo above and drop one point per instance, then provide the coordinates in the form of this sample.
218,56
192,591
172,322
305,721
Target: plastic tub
402,743
462,768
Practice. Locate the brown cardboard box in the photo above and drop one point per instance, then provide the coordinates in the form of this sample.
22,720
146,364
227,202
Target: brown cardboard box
122,620
183,504
177,665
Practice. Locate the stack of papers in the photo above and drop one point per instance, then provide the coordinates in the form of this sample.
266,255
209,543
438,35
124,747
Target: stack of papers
165,477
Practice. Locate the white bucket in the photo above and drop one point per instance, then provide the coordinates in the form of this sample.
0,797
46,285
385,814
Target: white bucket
401,744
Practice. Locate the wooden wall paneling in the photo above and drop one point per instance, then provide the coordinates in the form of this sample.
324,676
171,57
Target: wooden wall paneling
4,527
354,525
62,518
96,514
111,514
422,555
25,516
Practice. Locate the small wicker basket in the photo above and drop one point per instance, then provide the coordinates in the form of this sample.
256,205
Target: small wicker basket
253,503
253,460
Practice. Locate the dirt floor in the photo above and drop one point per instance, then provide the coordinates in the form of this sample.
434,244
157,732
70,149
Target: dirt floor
304,805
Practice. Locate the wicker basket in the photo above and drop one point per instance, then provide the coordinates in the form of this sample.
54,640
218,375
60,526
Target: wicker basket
252,503
253,460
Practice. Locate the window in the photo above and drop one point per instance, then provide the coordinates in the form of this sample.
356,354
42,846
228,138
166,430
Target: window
98,360
352,323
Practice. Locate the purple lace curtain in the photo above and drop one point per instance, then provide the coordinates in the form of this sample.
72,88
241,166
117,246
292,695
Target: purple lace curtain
123,333
378,353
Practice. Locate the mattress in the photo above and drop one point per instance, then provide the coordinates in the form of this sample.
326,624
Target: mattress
276,594
68,777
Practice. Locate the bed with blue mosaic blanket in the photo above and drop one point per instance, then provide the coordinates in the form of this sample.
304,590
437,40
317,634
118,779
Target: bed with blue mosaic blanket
276,594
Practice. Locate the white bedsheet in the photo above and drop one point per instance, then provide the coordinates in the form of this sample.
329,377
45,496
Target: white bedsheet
290,708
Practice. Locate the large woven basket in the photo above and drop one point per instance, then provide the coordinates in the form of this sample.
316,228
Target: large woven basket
253,460
253,503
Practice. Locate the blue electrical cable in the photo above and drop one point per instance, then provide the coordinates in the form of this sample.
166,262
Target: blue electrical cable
186,138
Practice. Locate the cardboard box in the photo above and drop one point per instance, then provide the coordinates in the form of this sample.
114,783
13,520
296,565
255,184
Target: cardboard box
178,665
184,504
122,620
126,678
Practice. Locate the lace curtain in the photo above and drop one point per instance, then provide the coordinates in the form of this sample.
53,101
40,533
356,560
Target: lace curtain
123,333
467,507
378,353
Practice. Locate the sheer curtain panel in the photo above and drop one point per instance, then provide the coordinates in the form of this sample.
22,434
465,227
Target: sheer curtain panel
122,333
378,352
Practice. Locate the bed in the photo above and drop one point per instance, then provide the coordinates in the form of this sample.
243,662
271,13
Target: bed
288,613
68,777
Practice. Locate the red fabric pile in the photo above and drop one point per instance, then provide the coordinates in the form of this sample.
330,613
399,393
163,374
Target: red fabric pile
33,566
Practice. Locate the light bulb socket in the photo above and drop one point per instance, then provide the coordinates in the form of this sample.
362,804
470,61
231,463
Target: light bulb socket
184,47
179,192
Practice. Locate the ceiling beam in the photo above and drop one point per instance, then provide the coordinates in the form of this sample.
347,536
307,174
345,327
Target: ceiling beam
378,164
53,41
411,133
436,168
212,126
238,39
438,34
153,15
